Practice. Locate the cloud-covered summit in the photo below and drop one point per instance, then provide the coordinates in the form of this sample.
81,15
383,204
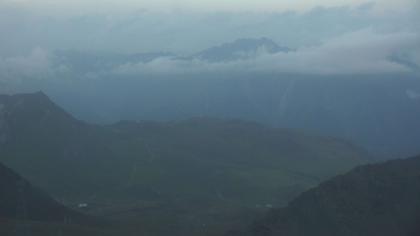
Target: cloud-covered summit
245,48
363,52
360,52
326,39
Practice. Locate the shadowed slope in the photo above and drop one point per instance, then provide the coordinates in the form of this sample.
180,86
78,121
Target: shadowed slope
380,199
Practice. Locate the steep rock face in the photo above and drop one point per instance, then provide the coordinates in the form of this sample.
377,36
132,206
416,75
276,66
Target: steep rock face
21,201
380,199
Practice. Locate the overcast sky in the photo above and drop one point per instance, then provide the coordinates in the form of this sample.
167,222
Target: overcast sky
205,5
329,36
190,25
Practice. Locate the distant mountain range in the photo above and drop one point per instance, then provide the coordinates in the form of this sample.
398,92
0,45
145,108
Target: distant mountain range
96,62
377,112
37,134
245,48
379,199
93,62
194,174
202,168
197,166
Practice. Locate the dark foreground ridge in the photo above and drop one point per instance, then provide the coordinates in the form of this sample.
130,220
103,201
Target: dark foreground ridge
20,200
380,199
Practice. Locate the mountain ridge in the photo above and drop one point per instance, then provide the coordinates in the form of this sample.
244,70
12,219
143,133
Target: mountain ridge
20,200
56,137
374,199
199,167
243,48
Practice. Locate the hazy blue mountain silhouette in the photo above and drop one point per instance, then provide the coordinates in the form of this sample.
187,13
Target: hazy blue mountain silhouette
244,48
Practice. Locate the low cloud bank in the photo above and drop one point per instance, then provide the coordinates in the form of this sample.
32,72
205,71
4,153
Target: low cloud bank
361,52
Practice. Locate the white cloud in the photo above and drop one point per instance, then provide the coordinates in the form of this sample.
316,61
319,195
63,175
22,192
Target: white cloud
360,52
203,5
412,94
22,28
35,65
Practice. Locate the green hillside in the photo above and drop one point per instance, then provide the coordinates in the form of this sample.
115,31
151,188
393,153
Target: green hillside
196,169
379,199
